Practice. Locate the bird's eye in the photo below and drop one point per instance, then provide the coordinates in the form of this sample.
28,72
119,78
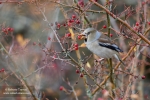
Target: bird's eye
88,33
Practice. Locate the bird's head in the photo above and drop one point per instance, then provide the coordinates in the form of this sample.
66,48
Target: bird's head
89,31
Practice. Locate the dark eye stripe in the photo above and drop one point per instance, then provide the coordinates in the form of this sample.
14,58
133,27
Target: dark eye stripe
88,33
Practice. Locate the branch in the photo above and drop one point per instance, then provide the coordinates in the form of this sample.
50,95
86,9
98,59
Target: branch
71,6
124,58
120,20
20,75
45,19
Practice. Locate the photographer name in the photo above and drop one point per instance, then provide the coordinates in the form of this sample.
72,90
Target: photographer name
16,89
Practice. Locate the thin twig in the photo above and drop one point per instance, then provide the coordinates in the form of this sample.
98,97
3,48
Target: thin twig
20,75
71,6
123,22
74,92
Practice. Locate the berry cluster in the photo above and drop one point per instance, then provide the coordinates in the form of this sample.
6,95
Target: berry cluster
72,21
78,71
137,26
81,3
75,46
7,30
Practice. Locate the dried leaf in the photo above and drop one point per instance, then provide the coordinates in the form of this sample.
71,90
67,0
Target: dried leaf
88,65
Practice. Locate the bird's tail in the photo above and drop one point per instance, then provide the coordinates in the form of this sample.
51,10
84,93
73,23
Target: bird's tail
117,57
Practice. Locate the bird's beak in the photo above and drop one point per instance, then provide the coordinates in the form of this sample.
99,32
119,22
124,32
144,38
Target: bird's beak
81,36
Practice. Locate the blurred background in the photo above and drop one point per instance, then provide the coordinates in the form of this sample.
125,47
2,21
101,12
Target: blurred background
32,35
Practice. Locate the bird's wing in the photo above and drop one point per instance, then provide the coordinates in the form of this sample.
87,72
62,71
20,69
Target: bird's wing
110,46
105,41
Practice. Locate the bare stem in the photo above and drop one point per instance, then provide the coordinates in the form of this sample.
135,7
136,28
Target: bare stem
74,92
112,86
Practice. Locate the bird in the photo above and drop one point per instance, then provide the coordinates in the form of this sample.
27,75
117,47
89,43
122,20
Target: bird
100,44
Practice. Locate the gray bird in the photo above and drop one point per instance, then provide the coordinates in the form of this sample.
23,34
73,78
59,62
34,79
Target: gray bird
101,44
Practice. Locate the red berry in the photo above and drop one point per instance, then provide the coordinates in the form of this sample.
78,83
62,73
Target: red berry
73,16
148,23
146,96
104,26
69,24
143,3
100,99
77,71
49,38
111,35
143,77
77,22
81,75
61,88
76,48
64,24
95,0
137,24
79,37
76,45
58,25
68,34
4,30
2,70
71,21
9,29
